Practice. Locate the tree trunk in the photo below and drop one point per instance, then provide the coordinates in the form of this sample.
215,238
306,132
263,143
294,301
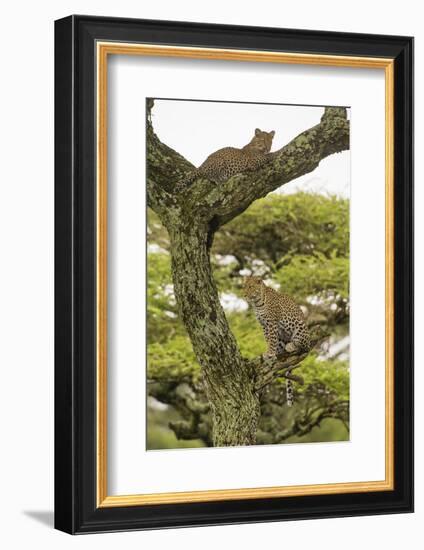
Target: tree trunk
228,378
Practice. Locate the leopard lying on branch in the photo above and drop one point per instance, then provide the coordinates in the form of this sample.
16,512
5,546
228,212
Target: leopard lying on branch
229,161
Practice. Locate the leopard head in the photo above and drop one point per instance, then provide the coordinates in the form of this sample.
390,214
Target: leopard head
261,142
253,288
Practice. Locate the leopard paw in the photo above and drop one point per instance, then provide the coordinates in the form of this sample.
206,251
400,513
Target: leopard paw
290,347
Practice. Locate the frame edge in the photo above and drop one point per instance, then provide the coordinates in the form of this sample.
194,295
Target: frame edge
64,448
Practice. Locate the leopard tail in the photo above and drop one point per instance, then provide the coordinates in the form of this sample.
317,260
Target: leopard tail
289,393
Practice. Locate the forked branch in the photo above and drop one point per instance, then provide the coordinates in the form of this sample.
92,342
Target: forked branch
269,369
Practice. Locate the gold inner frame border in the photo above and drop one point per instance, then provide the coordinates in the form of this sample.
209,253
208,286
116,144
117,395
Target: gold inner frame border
103,50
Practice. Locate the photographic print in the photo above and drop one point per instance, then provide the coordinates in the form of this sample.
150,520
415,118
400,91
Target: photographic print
247,274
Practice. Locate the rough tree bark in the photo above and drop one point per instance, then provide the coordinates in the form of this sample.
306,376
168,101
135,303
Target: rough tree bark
192,216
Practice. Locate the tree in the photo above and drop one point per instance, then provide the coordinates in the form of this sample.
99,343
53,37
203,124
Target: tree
298,241
232,384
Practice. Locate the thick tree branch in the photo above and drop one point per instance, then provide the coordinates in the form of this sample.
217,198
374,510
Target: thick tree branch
302,155
219,204
269,369
165,168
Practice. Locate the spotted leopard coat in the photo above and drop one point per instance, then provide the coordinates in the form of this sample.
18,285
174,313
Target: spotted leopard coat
229,161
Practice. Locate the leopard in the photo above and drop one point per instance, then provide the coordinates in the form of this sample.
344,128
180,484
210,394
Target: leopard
282,321
230,161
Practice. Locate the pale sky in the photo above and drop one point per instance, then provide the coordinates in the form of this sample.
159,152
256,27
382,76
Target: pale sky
198,128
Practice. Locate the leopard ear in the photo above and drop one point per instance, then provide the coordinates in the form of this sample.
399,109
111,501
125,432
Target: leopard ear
257,132
272,133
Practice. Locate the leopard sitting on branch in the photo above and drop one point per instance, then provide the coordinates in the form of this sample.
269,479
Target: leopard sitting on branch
229,161
282,321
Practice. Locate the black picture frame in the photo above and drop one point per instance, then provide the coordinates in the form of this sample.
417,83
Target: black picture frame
76,510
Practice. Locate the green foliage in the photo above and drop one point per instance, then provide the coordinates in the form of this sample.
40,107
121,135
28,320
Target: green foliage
287,225
156,233
173,359
330,429
333,374
161,308
314,275
299,242
158,279
248,333
160,436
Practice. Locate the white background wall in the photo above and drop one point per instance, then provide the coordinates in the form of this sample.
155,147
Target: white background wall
26,274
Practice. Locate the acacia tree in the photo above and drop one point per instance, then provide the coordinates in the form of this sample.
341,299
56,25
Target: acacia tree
192,215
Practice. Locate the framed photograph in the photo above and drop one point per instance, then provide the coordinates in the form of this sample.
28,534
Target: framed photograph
234,269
